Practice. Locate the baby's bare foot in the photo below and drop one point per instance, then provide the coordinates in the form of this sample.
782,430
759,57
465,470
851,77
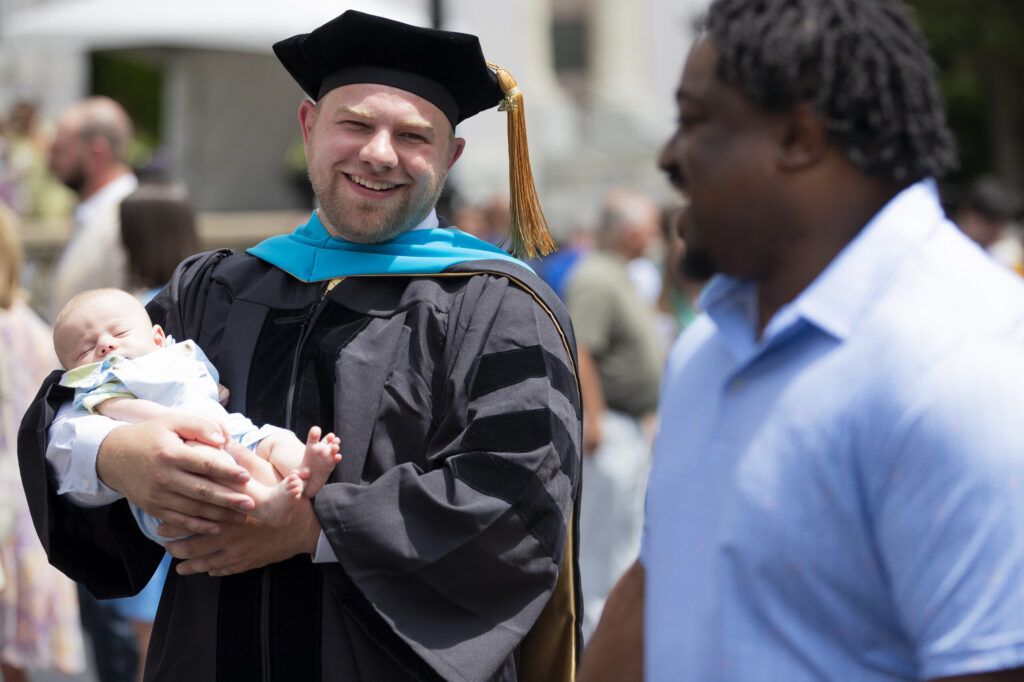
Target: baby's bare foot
275,504
320,458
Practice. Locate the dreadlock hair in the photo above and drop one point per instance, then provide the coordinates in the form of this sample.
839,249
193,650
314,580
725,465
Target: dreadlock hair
862,64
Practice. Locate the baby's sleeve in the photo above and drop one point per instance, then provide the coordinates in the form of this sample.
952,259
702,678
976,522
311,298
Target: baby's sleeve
90,399
94,384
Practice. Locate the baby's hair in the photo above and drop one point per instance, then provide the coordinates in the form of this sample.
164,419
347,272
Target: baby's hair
86,296
863,64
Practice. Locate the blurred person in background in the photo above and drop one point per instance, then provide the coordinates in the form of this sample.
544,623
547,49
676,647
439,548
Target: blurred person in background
556,267
89,154
677,301
472,219
621,358
39,625
25,183
989,214
159,231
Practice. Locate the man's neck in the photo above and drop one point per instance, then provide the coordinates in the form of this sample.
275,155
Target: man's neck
828,227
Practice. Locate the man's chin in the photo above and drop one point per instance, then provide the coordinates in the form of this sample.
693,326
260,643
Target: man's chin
364,235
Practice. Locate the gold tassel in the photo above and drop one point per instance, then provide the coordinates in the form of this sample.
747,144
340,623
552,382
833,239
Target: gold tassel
528,234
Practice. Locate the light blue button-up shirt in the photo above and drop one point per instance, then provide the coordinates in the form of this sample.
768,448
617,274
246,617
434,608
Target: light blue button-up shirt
842,497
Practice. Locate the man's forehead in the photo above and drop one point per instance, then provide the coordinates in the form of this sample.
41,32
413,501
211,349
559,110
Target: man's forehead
701,69
358,98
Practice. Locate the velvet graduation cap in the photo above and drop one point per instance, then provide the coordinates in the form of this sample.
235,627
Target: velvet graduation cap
443,67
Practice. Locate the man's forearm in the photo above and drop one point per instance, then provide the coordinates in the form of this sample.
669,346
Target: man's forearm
615,652
593,399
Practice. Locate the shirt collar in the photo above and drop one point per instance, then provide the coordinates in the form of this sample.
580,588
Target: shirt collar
840,294
111,193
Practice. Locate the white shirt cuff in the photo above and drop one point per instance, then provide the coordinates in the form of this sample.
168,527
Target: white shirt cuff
72,449
324,551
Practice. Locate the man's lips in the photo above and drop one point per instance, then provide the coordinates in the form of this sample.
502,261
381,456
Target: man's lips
371,184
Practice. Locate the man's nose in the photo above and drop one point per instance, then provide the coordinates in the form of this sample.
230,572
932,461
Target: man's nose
379,151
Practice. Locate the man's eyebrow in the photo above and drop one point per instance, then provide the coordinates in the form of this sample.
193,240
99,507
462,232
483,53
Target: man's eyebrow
353,111
361,112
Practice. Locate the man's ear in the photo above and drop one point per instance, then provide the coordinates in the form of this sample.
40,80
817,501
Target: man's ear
458,146
803,138
307,114
158,336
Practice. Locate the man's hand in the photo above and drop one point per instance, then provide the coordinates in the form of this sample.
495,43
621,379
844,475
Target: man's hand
223,394
171,468
592,434
240,548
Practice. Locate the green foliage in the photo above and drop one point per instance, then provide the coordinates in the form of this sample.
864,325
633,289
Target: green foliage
978,46
138,85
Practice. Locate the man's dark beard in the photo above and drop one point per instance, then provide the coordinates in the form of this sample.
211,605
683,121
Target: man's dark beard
697,265
75,180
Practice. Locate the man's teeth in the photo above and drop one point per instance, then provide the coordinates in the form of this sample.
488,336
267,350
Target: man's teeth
379,186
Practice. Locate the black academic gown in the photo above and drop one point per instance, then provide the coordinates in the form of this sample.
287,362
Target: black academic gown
457,404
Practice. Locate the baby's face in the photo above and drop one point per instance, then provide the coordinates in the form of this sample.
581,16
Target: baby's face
105,325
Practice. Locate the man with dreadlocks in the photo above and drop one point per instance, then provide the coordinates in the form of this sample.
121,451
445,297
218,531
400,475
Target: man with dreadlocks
836,491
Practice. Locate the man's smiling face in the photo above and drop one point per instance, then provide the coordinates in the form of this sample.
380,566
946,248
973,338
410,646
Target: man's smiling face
378,157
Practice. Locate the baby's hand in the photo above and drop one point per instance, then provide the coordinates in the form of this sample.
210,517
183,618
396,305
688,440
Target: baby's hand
223,394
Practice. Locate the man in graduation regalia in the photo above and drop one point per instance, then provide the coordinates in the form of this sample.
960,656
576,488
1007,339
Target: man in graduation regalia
442,546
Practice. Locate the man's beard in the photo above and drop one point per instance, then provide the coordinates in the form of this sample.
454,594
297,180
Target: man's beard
382,226
75,179
697,265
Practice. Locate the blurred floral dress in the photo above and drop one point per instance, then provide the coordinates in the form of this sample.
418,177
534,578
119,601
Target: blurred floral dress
39,625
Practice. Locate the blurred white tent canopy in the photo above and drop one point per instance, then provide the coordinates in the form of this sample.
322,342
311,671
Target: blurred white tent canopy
246,25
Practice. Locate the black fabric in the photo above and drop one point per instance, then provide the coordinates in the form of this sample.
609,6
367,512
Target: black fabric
317,382
512,432
239,654
449,67
270,373
294,620
565,444
521,488
498,370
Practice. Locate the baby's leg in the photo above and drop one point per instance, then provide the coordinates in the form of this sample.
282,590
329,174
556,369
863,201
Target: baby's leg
275,497
314,461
